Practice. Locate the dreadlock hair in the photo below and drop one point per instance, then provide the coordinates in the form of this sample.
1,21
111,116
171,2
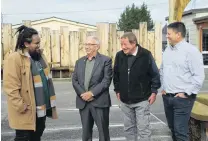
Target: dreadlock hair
25,35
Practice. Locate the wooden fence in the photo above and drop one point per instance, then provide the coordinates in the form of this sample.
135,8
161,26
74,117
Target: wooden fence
63,47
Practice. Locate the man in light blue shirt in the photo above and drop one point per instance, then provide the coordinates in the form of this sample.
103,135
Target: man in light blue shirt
182,76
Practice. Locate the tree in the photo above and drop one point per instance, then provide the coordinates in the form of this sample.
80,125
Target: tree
132,16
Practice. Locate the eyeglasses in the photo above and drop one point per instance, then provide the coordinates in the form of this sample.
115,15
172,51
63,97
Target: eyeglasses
90,44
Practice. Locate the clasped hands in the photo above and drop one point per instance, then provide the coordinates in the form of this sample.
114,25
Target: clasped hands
87,96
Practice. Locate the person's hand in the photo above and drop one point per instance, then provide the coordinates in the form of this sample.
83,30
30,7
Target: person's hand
163,92
118,96
181,95
91,99
152,98
87,96
25,107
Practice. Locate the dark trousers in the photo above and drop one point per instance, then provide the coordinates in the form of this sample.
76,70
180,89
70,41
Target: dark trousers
100,116
177,111
30,135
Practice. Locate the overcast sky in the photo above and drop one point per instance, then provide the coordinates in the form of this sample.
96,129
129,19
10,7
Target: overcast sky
85,11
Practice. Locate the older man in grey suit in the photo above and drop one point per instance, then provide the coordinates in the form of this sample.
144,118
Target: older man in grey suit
91,81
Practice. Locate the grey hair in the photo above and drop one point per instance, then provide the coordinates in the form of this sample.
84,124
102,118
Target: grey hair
94,38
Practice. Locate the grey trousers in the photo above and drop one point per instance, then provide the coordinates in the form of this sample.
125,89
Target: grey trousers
100,116
136,121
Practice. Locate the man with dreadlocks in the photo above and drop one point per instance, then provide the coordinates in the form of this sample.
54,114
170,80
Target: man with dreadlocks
29,87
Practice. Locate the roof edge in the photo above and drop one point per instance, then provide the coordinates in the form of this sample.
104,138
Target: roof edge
59,19
191,11
200,19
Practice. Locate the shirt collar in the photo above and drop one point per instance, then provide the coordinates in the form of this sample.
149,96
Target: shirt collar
178,45
27,54
135,53
94,57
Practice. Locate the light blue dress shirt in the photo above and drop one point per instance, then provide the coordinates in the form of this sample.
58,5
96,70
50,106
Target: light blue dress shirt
182,69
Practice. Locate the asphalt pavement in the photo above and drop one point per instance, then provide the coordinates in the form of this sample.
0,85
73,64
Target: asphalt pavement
68,126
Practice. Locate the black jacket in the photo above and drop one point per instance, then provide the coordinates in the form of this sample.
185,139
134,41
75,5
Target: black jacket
142,79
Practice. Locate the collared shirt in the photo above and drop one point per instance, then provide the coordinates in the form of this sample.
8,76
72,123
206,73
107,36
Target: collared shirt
131,58
135,53
182,69
88,72
87,58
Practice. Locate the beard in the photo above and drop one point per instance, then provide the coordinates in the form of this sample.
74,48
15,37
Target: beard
35,55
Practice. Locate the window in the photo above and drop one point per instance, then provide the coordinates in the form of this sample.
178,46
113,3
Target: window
205,46
205,40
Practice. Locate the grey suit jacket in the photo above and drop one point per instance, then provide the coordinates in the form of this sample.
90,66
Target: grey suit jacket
99,83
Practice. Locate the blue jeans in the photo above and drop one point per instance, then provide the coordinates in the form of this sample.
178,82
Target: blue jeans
177,111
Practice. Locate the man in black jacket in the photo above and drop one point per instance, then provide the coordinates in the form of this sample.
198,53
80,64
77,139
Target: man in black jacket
136,80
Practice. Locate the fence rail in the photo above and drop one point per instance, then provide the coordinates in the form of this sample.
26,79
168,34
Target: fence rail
63,47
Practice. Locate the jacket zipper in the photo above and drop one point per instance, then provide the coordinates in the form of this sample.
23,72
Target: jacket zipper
128,80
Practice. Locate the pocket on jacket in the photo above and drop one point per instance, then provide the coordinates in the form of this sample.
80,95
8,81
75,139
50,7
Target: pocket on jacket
27,116
23,71
29,107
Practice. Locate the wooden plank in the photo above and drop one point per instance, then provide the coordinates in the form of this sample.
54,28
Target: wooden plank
151,42
112,41
55,48
45,43
2,55
118,41
91,33
7,40
171,10
74,49
136,33
103,36
14,39
82,40
158,44
143,34
27,23
60,68
64,46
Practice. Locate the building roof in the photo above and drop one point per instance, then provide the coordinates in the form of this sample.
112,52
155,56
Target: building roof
200,19
195,6
34,22
192,11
